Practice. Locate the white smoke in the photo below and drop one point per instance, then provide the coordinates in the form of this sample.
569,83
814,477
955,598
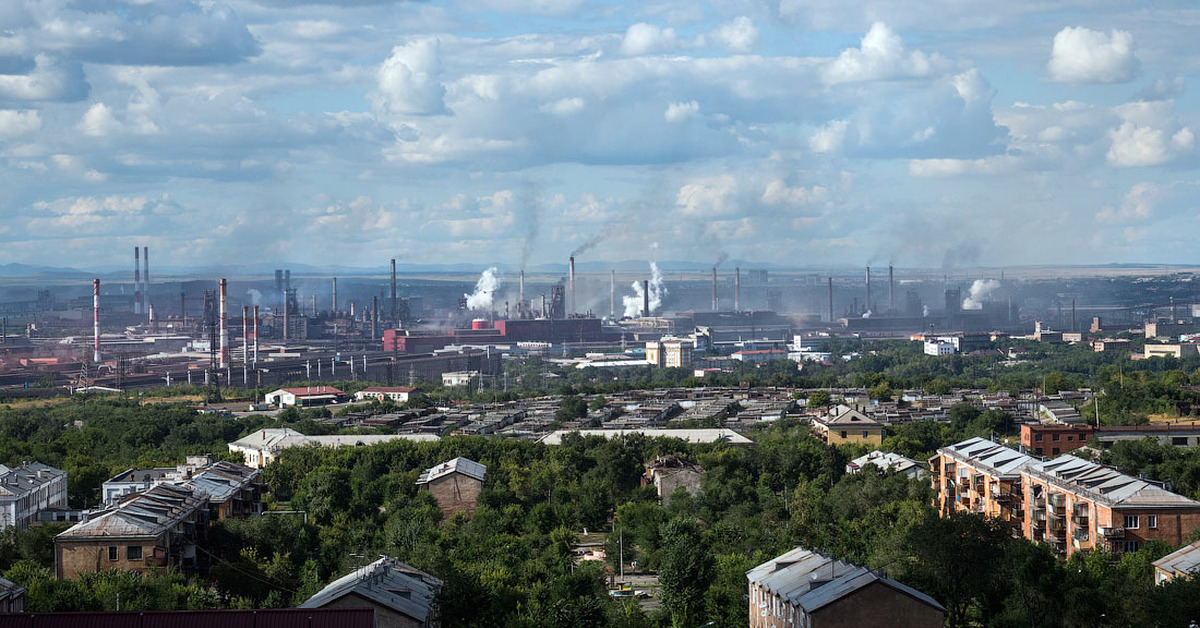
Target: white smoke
633,303
255,296
980,291
925,311
481,299
867,314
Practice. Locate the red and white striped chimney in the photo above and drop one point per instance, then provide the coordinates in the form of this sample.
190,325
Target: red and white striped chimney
145,279
137,280
224,326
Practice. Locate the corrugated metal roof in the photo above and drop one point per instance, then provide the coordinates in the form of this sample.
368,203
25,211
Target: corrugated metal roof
467,467
1107,484
1183,560
144,514
810,581
253,618
985,455
387,582
703,435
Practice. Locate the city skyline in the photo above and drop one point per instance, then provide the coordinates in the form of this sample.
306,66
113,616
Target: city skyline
788,134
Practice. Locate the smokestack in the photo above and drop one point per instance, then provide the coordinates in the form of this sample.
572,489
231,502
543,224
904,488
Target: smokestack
183,308
521,291
224,363
868,303
612,295
392,318
374,317
737,288
95,320
831,299
153,320
137,280
245,335
1073,327
145,278
714,289
287,280
313,299
352,310
571,287
286,315
335,302
256,335
646,298
891,289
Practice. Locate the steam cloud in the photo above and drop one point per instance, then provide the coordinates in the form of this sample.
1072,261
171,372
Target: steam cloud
633,303
255,297
481,299
980,291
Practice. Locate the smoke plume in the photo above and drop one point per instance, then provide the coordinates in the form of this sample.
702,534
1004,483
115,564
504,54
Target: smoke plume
721,259
254,296
529,216
485,288
961,255
591,243
980,291
658,290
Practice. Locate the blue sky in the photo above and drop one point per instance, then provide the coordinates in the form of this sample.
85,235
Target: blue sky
796,132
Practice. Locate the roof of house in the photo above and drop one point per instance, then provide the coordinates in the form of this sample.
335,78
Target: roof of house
1182,561
141,475
810,581
144,514
886,461
387,582
24,479
388,389
469,468
10,590
849,418
310,391
1106,484
988,456
701,435
222,481
278,438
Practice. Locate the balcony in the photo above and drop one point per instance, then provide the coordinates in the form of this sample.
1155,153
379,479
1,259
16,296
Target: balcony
1058,526
1057,500
1038,514
1081,534
1112,532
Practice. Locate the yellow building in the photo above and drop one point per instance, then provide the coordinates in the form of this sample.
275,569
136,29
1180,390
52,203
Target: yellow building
851,426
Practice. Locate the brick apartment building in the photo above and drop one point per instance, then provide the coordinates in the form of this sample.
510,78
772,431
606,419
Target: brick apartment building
978,475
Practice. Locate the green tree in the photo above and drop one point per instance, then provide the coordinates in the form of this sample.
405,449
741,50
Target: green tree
687,570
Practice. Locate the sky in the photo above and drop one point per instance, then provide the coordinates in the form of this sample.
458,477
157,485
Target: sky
941,133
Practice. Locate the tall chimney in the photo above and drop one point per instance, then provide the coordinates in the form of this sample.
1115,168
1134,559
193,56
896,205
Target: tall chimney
313,299
256,335
868,303
352,313
891,289
612,295
521,291
737,288
714,289
137,280
571,287
1073,327
392,317
153,320
224,363
286,315
831,299
245,334
183,308
646,298
145,278
374,317
96,320
335,302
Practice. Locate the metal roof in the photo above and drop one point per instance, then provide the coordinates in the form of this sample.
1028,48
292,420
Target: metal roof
25,479
1106,484
249,618
885,460
469,468
388,583
276,439
146,514
810,581
992,457
10,590
706,435
1182,561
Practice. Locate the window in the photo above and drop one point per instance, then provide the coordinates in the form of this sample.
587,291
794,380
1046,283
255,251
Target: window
1056,437
1056,451
843,433
133,552
866,434
112,552
1131,522
1070,439
1152,522
1179,441
1132,546
1038,438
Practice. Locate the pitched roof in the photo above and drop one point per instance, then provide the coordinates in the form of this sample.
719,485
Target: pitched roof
10,590
810,581
852,418
886,461
699,435
388,389
25,479
310,391
144,514
387,582
1182,561
989,456
1106,484
469,468
276,439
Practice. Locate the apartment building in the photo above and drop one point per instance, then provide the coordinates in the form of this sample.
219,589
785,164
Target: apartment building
978,475
27,491
1076,504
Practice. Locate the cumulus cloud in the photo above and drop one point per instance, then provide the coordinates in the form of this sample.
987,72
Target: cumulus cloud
48,79
1149,135
98,121
1081,55
680,111
14,123
564,106
778,192
829,137
882,56
1161,89
1136,205
643,38
409,81
739,34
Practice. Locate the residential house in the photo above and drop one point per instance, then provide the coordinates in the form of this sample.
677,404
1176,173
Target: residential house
887,461
669,473
398,394
262,446
233,490
1053,439
850,426
29,490
455,485
12,597
132,481
304,396
158,528
804,588
978,475
1075,504
400,595
1182,563
227,618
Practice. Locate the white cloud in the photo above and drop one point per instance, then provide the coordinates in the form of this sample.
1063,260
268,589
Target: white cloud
987,166
14,123
1149,135
49,79
680,111
99,121
564,106
643,38
881,56
409,80
738,35
1137,205
778,192
828,138
1081,55
709,197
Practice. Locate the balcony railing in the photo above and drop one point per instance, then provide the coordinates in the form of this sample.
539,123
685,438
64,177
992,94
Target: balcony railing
1058,500
1112,532
1081,534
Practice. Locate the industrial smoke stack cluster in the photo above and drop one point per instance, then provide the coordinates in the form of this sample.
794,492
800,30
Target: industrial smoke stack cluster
141,280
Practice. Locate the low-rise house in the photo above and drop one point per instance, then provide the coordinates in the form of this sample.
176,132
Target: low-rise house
233,490
1178,350
132,481
455,485
401,596
305,396
1053,439
849,426
1182,563
29,490
804,588
1076,504
978,475
158,528
699,435
263,446
12,597
398,394
887,461
668,473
